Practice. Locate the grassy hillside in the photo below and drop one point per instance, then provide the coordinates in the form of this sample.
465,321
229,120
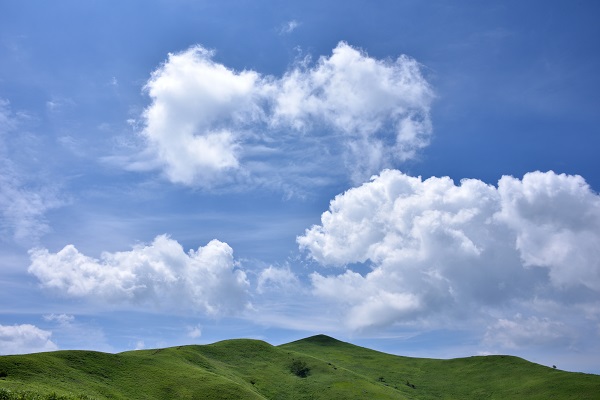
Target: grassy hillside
484,377
314,368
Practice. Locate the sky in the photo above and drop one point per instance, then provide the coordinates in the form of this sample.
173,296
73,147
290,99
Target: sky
416,177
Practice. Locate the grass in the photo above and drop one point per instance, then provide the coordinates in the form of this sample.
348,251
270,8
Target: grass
482,377
314,368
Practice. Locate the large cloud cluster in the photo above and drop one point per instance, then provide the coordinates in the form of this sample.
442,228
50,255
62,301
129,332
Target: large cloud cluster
437,248
160,274
206,121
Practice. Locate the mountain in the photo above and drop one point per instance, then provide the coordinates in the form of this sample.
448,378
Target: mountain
318,367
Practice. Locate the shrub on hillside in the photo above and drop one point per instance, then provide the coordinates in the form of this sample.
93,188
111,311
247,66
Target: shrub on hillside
300,368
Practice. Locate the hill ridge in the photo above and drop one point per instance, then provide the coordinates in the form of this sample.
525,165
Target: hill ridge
316,367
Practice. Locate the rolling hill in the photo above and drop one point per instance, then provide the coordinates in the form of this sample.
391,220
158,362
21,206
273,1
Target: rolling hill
317,367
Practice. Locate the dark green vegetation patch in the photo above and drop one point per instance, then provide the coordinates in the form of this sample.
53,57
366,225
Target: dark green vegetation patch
318,367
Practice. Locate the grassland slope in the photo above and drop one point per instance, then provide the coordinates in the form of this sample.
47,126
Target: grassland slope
480,377
232,369
252,369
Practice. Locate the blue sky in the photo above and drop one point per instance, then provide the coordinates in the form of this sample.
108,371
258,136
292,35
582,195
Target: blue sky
416,177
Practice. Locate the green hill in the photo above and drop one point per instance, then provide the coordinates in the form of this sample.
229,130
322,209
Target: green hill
318,367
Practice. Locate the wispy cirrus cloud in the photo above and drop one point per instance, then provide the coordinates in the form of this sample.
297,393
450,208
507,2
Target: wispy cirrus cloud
23,200
70,332
289,27
61,319
208,124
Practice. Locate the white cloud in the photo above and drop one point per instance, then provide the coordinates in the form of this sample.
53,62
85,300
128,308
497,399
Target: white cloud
194,332
62,319
526,332
195,105
140,345
367,303
22,339
380,106
71,333
289,27
434,246
7,120
23,202
557,221
23,210
57,104
160,274
208,124
276,278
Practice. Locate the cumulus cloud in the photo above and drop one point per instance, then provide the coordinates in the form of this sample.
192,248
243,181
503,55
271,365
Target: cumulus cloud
381,107
557,222
21,339
161,274
23,202
196,105
208,123
432,246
